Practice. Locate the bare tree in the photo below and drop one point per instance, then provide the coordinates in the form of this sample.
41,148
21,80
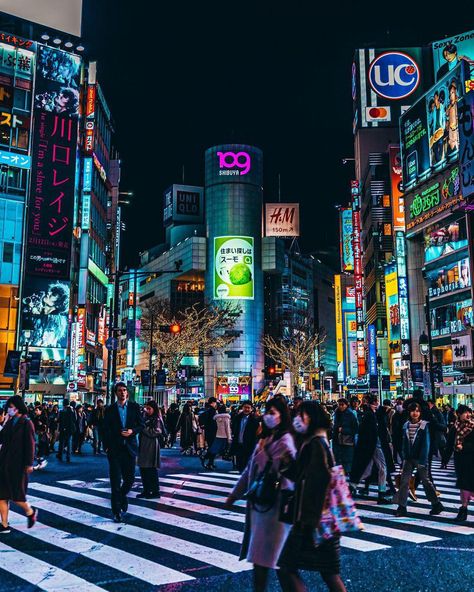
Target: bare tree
296,350
203,328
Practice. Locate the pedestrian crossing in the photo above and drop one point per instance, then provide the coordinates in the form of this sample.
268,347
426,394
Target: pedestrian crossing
185,535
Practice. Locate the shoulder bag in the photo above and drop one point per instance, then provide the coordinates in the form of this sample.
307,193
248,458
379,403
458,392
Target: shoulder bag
339,513
263,491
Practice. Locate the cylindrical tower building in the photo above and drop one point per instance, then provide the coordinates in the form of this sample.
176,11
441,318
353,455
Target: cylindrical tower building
233,197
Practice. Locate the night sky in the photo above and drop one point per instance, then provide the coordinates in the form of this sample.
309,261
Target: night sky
276,75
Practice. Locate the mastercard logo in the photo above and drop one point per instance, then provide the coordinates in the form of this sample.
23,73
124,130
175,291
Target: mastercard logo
378,114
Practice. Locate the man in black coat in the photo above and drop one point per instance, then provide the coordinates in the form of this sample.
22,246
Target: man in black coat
67,428
244,430
122,423
208,422
372,448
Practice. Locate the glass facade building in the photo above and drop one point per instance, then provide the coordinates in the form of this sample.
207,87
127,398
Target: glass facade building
233,198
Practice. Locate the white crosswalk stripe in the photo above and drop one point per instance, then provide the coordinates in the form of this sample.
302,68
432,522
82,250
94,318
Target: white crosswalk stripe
185,532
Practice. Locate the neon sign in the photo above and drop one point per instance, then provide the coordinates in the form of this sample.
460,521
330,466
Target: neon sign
230,161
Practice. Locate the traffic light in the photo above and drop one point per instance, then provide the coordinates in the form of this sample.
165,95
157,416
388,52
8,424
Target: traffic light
269,372
174,328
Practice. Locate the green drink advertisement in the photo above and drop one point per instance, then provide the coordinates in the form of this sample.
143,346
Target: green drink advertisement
233,267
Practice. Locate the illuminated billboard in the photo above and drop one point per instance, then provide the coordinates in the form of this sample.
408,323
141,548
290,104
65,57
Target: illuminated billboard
431,201
49,219
385,82
391,302
339,328
57,82
358,276
451,318
440,240
346,231
282,219
233,267
234,163
466,143
429,131
57,14
447,52
398,203
450,278
44,313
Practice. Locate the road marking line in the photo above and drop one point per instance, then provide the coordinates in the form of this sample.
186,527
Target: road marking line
204,555
394,533
39,573
197,485
201,478
132,565
167,518
444,526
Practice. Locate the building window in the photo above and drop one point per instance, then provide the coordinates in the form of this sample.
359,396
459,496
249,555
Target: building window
7,253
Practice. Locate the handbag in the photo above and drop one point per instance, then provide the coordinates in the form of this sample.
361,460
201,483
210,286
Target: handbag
345,440
339,513
264,489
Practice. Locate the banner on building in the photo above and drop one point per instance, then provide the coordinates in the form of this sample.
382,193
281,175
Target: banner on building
398,205
282,219
233,267
345,234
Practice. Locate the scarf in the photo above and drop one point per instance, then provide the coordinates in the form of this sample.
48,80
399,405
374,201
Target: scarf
463,429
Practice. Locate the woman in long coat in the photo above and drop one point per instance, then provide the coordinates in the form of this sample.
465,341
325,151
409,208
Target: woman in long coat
264,534
149,451
186,426
17,452
312,479
464,459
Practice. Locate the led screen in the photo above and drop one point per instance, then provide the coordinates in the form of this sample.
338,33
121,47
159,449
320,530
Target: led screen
233,267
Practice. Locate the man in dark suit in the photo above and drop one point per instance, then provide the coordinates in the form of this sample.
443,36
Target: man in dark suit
67,429
122,423
245,430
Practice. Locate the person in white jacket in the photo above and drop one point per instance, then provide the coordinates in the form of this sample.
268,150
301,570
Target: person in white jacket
222,440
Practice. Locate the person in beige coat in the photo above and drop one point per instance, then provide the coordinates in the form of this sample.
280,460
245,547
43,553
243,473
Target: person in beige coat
149,451
222,440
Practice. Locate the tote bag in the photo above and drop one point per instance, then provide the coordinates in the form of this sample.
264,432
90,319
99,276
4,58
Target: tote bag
339,512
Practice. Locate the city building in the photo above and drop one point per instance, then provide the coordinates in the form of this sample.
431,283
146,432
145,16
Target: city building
59,173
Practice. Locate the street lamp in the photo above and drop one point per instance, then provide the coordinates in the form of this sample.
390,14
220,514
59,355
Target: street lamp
379,361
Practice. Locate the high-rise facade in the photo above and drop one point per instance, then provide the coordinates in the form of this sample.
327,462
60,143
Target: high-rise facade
234,200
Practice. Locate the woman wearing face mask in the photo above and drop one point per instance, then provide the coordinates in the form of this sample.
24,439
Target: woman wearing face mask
464,459
149,451
17,453
312,479
265,535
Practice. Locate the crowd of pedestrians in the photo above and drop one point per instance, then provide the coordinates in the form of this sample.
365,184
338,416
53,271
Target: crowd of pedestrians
285,453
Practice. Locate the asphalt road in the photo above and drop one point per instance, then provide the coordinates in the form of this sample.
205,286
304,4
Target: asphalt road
76,547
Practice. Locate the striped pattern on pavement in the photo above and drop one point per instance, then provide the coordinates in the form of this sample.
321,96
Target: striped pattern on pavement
186,534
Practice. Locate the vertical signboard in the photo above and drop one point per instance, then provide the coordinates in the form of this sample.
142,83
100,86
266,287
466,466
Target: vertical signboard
398,207
372,338
358,276
347,252
466,148
400,251
49,221
391,302
339,337
233,267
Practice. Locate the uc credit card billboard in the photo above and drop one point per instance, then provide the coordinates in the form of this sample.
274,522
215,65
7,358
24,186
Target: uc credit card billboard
385,82
233,267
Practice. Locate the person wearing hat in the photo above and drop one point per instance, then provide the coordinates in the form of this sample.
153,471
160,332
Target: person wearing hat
344,433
